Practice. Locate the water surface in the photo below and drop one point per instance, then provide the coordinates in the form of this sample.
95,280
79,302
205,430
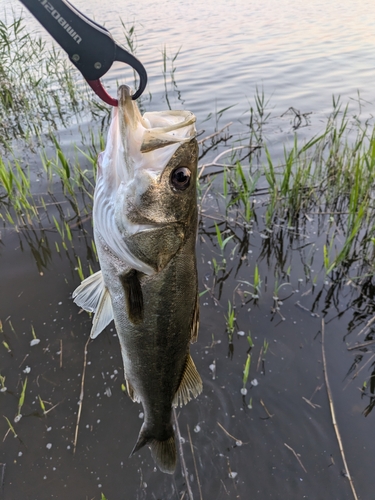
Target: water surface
300,57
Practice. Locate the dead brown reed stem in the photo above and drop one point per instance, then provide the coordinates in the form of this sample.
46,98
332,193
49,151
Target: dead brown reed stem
195,464
333,415
296,455
182,458
80,402
201,141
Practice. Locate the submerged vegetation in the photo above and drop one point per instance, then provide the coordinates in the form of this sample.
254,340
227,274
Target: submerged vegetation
259,214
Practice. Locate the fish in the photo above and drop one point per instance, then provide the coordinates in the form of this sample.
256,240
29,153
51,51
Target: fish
145,225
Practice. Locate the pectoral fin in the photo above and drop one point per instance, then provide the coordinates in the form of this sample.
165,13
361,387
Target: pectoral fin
93,296
133,295
190,385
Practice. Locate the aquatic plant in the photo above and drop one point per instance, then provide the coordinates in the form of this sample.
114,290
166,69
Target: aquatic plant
21,401
230,320
10,428
38,90
246,375
255,285
221,242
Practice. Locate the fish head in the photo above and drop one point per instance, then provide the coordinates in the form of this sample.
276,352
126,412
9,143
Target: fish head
150,170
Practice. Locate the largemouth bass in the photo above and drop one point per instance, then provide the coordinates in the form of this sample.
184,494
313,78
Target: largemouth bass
145,223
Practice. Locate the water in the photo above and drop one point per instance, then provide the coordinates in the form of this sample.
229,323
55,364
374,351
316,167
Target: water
300,57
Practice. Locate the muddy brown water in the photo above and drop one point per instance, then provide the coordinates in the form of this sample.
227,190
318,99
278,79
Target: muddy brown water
281,447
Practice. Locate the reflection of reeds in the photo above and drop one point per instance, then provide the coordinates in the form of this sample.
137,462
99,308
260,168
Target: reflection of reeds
327,181
170,60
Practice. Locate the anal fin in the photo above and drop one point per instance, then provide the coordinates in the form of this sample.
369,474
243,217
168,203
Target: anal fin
190,385
132,394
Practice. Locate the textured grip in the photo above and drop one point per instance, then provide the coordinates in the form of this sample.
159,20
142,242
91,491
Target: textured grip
90,47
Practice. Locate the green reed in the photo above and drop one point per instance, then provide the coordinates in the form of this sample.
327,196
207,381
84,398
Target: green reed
246,372
10,427
21,400
230,321
38,91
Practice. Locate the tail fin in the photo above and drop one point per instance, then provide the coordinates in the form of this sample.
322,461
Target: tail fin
163,452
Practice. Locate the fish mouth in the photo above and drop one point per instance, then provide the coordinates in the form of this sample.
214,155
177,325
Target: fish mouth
149,141
161,128
147,228
141,146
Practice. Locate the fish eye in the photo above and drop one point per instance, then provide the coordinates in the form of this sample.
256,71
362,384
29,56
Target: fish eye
180,178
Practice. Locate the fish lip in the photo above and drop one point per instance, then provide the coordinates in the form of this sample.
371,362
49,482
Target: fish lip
152,227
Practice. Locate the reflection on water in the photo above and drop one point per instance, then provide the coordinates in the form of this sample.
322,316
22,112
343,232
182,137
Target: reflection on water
301,56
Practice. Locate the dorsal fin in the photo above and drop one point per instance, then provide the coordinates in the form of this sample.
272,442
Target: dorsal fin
190,385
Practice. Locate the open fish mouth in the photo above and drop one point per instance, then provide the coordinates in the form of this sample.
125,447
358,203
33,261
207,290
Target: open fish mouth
143,144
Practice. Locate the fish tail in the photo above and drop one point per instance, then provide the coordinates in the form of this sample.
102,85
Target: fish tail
163,452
